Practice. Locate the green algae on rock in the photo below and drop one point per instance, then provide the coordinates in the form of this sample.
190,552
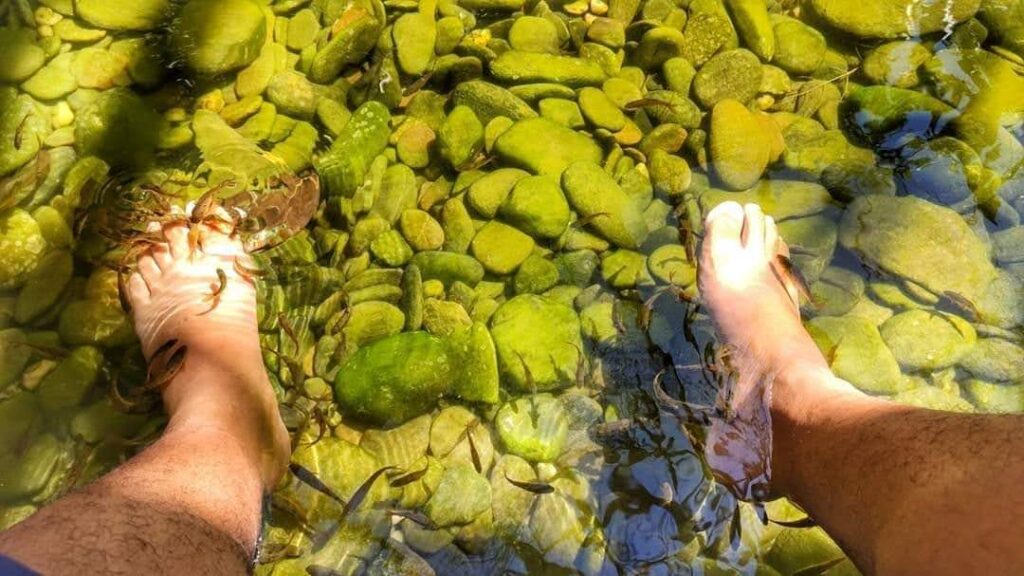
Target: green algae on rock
537,342
908,237
534,427
893,19
372,387
218,36
136,16
544,147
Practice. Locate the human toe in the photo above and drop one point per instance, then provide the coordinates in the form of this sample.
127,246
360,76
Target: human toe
138,290
771,238
149,270
753,234
176,234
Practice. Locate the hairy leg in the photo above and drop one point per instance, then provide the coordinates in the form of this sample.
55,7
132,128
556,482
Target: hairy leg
902,489
191,502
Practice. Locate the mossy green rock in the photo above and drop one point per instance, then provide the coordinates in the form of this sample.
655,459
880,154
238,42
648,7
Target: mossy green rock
562,111
54,80
520,67
733,74
21,247
421,230
414,36
534,34
994,360
461,136
534,427
544,147
449,267
373,387
461,496
857,353
934,399
999,398
444,317
476,362
670,264
537,206
26,473
489,101
798,47
537,341
889,117
599,110
919,241
595,195
740,147
926,340
23,126
754,26
136,16
364,136
892,18
625,269
896,63
486,195
218,36
19,414
658,45
118,127
95,323
14,356
22,57
44,286
500,247
536,275
293,94
68,383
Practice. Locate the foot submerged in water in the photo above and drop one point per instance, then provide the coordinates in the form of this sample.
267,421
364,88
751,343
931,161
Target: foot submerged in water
755,311
197,298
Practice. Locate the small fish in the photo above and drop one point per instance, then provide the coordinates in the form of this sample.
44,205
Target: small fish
806,522
163,349
282,319
414,516
474,455
51,352
418,84
218,289
785,270
357,498
19,132
309,478
246,272
168,369
317,570
360,494
409,478
957,304
648,102
589,219
818,569
534,487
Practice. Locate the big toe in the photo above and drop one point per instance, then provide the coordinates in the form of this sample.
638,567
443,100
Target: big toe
722,229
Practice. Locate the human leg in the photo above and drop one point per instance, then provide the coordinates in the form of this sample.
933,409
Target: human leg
902,489
191,502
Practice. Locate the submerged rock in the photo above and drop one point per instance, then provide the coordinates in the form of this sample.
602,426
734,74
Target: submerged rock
537,341
919,241
373,387
926,340
218,36
893,18
857,353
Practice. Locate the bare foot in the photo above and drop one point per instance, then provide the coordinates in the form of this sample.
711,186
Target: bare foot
198,298
754,307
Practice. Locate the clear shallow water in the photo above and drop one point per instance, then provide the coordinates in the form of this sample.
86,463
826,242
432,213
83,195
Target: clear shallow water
893,168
